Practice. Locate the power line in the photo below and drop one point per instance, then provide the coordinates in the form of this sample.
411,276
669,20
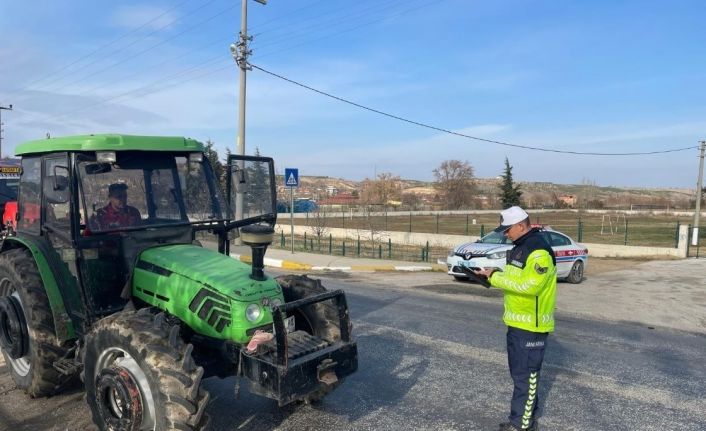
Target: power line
124,60
285,15
219,40
102,47
334,21
213,42
451,132
46,85
145,89
156,65
347,30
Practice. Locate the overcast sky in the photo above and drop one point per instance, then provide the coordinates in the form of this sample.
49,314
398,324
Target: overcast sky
598,76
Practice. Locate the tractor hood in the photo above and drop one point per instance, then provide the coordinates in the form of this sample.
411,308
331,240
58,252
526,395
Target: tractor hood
207,290
207,267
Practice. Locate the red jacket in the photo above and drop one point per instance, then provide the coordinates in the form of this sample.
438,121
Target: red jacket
108,218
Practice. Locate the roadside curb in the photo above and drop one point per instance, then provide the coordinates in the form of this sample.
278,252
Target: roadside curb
288,264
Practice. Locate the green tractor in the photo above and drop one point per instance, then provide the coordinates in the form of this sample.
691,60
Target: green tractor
104,278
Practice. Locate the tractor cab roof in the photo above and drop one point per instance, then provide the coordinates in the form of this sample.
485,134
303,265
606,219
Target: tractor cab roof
109,142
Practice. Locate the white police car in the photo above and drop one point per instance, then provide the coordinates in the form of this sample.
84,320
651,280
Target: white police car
490,251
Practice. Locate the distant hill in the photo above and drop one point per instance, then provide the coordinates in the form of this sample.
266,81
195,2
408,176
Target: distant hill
535,194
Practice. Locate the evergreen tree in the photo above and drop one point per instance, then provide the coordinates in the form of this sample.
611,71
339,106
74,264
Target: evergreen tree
257,199
219,170
509,191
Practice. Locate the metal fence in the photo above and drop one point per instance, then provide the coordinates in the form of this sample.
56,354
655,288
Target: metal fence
657,231
361,248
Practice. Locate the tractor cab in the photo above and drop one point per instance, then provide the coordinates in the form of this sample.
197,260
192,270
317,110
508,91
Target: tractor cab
95,212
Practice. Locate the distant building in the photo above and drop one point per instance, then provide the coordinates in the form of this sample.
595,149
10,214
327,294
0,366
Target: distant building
331,190
568,200
339,200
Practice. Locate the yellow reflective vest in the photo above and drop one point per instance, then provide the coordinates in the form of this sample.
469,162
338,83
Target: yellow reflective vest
529,284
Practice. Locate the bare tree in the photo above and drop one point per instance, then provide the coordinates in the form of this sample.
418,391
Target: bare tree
380,191
372,229
455,183
318,225
411,201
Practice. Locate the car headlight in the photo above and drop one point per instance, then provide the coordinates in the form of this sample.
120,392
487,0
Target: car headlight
497,255
252,313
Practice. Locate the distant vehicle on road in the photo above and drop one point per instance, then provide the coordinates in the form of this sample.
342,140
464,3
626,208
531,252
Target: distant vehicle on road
490,251
9,184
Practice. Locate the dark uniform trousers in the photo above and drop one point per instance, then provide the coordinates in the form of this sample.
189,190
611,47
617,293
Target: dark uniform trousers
525,352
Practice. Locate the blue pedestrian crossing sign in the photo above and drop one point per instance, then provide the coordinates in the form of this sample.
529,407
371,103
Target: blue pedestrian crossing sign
291,177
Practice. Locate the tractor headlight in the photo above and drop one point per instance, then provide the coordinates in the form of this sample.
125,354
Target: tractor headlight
253,312
497,255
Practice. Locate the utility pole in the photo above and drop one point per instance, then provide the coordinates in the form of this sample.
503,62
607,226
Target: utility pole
241,52
699,191
7,108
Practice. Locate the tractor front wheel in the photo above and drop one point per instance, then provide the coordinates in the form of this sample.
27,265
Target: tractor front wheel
140,375
320,319
27,335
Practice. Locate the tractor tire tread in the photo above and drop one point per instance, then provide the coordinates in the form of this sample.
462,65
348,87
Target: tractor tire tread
178,387
45,380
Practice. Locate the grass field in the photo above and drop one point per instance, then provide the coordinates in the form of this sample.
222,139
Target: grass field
647,230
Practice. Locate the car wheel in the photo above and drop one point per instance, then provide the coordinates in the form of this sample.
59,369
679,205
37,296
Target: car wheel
576,274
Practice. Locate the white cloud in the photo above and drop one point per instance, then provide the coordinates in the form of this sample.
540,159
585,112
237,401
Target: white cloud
134,16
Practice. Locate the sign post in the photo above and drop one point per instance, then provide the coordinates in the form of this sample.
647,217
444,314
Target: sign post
291,180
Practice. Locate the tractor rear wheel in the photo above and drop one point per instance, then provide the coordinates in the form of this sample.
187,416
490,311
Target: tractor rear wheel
140,375
27,335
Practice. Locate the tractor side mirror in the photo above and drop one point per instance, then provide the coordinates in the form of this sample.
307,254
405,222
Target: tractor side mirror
60,180
56,187
239,178
98,168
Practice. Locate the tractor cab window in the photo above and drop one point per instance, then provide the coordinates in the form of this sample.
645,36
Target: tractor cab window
147,189
202,199
56,192
28,218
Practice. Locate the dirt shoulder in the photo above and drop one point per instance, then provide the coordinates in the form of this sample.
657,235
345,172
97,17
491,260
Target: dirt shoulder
668,293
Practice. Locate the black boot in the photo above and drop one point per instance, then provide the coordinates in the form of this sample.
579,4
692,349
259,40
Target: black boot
508,426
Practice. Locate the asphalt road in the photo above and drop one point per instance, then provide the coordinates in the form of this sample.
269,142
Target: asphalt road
432,357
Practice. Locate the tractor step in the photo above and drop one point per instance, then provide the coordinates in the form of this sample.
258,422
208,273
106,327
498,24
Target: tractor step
67,367
300,343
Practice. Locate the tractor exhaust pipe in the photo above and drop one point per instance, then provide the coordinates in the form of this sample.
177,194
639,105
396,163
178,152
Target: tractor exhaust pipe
258,237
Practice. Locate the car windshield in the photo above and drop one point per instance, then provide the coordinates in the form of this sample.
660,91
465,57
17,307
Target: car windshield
8,189
147,189
495,238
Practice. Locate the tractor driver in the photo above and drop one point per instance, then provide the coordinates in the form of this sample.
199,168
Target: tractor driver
117,213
